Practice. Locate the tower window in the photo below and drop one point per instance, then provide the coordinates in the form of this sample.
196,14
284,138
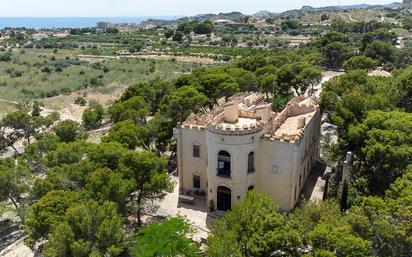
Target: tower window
196,150
223,164
251,162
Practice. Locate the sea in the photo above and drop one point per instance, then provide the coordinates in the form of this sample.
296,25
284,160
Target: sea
70,22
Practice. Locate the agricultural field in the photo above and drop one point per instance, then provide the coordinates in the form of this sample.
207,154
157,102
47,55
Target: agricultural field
36,74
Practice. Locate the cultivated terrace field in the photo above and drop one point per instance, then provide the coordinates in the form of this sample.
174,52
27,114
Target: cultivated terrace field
35,74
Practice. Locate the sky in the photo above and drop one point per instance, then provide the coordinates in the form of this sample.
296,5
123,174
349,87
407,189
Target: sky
135,8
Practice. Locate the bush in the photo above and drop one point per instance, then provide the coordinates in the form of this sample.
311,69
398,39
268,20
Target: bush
65,90
96,82
6,57
54,116
69,131
136,47
80,101
92,118
46,70
360,62
58,68
16,74
178,36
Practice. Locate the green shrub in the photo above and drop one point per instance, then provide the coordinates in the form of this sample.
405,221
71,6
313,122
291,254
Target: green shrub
80,101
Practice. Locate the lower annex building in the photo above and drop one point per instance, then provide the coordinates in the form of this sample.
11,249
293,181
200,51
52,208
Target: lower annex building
243,145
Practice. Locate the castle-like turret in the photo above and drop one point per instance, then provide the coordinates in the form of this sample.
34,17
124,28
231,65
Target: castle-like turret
244,144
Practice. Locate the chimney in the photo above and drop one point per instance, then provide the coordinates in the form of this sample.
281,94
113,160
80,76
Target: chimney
231,111
264,112
301,122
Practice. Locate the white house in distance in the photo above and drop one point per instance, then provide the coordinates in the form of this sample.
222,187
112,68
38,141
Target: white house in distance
244,145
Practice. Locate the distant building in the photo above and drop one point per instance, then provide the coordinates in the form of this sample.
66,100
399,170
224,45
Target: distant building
39,36
104,25
244,145
61,34
222,22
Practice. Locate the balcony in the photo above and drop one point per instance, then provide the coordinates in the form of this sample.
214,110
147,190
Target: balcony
223,173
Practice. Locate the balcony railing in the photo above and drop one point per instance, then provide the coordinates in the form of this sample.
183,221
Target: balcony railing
224,173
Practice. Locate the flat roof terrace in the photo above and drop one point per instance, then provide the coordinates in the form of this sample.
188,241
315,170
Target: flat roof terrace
249,113
293,125
241,122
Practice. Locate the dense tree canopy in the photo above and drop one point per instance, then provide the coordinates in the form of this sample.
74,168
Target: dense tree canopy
299,76
167,238
182,102
350,96
128,134
82,175
69,131
47,212
383,142
134,109
386,222
253,228
89,229
150,175
360,62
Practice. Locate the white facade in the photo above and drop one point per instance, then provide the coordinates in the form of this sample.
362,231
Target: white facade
243,144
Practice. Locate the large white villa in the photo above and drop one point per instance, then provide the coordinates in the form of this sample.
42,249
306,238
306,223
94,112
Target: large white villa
243,145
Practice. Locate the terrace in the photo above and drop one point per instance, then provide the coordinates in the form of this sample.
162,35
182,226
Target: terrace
249,112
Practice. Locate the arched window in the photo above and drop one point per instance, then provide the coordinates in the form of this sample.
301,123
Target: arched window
251,162
223,164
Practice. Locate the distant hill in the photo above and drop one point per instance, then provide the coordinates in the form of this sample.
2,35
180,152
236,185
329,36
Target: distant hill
203,17
348,7
264,14
291,14
407,3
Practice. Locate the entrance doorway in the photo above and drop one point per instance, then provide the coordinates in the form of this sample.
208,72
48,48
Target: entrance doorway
224,198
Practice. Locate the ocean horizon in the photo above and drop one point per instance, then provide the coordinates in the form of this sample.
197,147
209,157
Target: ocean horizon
70,22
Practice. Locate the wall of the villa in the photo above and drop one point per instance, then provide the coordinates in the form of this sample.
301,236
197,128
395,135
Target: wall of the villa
309,150
239,147
188,164
278,165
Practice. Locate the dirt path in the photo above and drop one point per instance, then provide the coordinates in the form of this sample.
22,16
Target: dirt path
17,249
9,102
